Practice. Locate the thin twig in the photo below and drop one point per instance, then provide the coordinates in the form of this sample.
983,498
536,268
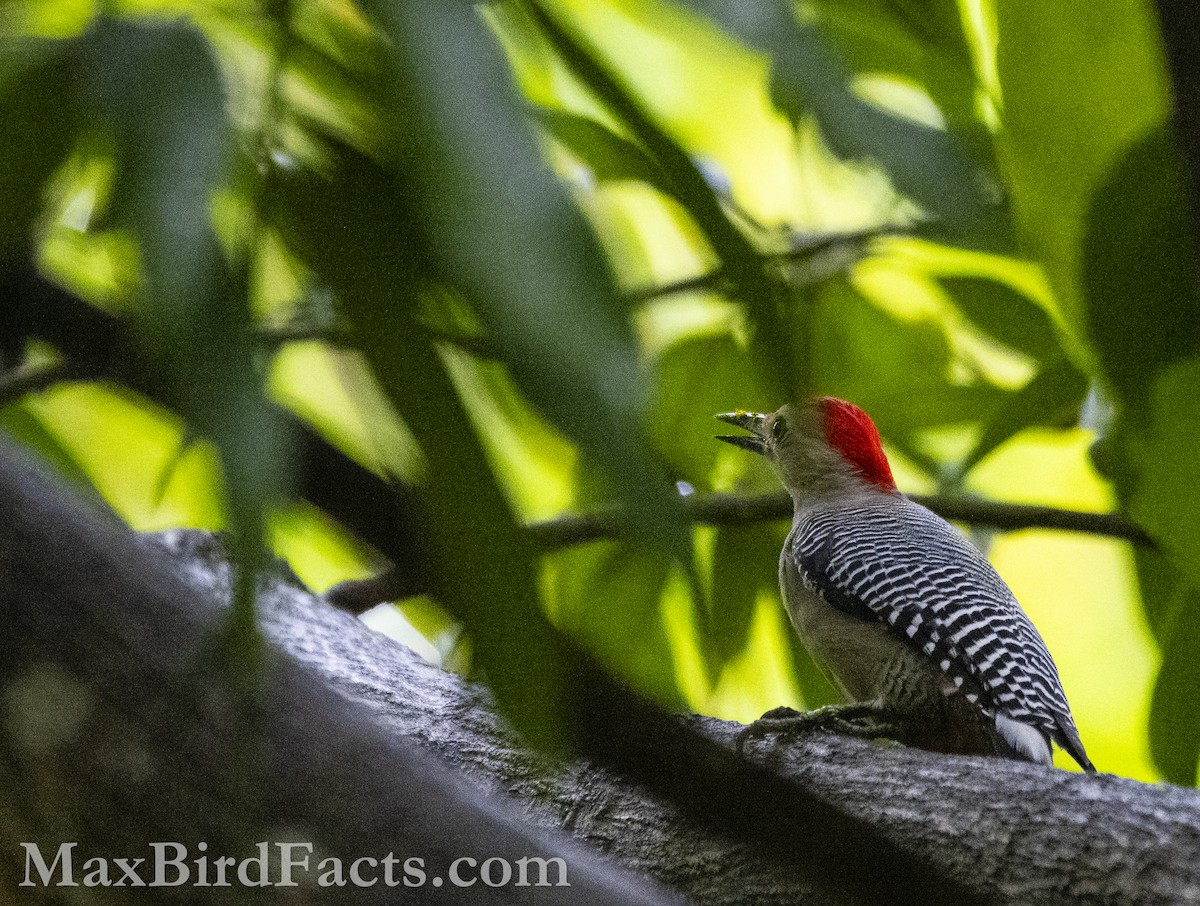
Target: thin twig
29,379
731,509
275,335
806,247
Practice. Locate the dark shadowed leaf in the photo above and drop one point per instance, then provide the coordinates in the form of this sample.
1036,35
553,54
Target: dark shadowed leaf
1159,581
1051,398
608,156
1142,314
484,564
1140,279
1082,83
356,231
1163,496
507,236
1174,718
1007,315
923,41
157,91
41,112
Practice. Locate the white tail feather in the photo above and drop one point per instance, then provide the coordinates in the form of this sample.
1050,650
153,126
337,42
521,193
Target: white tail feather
1026,740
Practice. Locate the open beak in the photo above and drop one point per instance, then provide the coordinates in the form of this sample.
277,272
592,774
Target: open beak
753,422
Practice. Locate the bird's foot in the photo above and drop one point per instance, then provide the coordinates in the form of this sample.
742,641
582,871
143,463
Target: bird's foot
865,721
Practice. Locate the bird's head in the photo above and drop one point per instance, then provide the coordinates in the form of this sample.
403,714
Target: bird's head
823,446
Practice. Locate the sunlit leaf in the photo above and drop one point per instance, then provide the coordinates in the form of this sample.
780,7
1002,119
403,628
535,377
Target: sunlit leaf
1080,85
745,276
745,562
609,596
867,355
809,77
25,426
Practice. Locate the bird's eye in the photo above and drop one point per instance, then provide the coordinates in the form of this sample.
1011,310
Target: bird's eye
779,429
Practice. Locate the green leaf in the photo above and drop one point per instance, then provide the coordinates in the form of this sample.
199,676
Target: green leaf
696,378
502,231
1005,314
610,157
920,40
690,186
157,91
357,232
747,279
1160,483
1174,718
1159,581
23,424
1163,495
484,563
1081,84
745,563
866,355
1140,275
609,596
808,76
1051,398
41,111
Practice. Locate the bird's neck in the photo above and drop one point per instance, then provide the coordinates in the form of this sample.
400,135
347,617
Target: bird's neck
836,489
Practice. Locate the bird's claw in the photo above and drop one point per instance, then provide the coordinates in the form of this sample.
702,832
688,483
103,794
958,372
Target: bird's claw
862,721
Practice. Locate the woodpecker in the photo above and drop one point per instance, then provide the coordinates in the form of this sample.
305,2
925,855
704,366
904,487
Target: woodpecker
900,609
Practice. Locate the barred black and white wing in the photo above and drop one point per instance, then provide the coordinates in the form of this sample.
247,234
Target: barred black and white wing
893,561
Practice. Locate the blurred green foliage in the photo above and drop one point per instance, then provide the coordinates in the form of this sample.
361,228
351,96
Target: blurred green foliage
533,246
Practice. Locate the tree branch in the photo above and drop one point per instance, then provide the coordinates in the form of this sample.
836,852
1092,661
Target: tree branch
119,631
362,748
97,345
122,727
730,509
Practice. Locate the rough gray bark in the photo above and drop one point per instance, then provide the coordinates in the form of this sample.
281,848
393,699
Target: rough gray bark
117,730
107,739
1024,833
